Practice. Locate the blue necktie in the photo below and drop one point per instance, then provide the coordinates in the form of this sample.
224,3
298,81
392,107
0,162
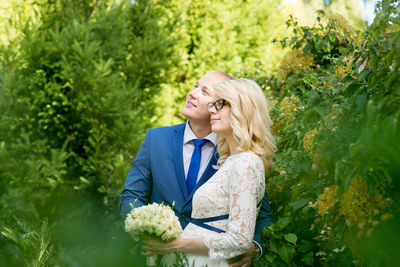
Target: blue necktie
194,166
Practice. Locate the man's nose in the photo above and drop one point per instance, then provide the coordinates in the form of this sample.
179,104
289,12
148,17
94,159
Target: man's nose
193,93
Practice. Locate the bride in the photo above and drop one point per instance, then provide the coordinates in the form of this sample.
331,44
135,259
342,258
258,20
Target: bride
225,208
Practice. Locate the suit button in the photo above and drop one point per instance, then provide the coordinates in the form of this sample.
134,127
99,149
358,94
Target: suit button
183,217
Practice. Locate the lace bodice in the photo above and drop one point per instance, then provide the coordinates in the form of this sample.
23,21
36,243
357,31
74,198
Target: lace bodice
235,189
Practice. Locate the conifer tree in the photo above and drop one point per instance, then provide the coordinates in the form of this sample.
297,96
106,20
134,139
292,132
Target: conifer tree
76,98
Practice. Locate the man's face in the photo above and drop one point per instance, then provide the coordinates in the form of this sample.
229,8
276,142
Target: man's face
195,108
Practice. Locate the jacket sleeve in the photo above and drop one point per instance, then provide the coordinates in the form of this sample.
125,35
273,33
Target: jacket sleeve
137,187
264,218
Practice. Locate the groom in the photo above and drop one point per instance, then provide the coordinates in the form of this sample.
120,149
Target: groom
164,163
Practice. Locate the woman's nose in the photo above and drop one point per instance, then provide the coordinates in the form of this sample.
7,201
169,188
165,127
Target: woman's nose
212,110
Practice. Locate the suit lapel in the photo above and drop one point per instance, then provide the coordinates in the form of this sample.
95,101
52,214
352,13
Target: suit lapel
177,141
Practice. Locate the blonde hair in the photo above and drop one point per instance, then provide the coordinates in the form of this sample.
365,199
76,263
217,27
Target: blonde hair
250,120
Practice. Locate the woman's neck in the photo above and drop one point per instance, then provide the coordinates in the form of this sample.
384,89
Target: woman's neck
232,144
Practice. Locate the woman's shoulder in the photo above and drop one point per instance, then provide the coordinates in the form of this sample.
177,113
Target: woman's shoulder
246,154
245,163
248,157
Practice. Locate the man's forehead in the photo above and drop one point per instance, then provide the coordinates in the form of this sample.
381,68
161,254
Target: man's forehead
211,77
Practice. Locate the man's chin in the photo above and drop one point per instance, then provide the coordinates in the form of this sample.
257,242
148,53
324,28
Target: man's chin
187,114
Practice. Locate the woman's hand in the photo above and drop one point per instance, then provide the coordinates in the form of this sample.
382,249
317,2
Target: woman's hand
152,245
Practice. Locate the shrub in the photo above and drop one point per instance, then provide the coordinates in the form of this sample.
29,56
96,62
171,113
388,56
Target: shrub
335,107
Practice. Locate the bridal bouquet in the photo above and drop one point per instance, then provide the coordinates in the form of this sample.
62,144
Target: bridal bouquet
153,219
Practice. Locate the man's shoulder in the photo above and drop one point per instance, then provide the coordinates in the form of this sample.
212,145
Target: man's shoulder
167,129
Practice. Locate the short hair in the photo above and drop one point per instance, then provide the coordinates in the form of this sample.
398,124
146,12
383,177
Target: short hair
223,74
250,120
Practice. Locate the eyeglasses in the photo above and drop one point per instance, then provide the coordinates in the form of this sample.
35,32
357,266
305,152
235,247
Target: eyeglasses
219,104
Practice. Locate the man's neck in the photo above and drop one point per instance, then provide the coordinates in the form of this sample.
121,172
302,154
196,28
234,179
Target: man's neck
201,130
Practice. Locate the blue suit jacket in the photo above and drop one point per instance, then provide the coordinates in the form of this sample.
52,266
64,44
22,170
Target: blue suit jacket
157,175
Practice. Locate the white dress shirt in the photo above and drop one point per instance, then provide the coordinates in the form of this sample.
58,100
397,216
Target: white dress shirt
206,150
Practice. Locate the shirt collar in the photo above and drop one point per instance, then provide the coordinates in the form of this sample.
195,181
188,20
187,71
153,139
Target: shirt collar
188,135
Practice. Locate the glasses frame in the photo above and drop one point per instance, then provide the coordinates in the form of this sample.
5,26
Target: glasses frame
216,104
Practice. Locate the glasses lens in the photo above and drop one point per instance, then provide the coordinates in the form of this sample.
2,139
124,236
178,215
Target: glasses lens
210,105
219,104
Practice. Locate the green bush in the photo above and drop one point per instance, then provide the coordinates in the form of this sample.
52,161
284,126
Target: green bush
76,99
85,79
335,106
232,36
23,246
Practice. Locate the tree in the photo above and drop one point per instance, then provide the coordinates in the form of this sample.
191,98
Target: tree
77,98
335,184
305,10
232,36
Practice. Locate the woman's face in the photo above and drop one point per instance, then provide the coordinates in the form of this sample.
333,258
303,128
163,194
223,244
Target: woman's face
220,119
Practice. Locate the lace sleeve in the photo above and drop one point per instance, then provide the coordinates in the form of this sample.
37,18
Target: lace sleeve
247,185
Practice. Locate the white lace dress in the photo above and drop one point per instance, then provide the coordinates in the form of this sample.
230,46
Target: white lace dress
235,189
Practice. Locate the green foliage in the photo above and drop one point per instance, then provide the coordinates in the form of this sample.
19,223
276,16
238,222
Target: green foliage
77,97
83,80
232,36
305,10
80,85
23,246
15,15
335,102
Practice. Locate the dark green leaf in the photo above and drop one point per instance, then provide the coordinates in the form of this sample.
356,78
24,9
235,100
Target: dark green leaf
361,99
311,116
282,222
299,204
274,245
308,259
305,246
286,253
292,238
271,257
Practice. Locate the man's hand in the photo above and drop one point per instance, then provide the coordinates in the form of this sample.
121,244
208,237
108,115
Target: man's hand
243,260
